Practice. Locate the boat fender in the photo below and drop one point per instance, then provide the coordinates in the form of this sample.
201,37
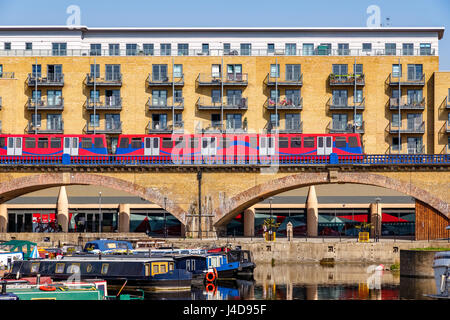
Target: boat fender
47,288
210,276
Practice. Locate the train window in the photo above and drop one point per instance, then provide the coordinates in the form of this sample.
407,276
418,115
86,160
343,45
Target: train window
308,142
124,143
353,142
296,142
86,143
43,143
136,143
340,142
253,142
2,142
319,143
30,142
194,143
98,143
167,143
283,142
179,143
55,143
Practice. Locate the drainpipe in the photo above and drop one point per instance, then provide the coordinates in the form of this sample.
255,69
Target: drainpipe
199,178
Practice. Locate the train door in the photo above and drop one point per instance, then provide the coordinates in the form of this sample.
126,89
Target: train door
209,146
267,146
14,147
324,145
151,146
71,146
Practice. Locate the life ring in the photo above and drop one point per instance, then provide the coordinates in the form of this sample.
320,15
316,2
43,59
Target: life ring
210,276
210,287
47,288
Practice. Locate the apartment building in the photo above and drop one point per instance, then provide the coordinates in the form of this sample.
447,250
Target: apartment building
380,82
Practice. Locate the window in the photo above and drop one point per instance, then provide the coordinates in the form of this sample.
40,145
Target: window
166,49
59,49
226,142
339,98
2,142
215,96
308,49
246,49
293,72
36,120
159,72
414,96
291,49
94,120
105,268
296,142
358,120
408,49
366,47
415,72
324,49
293,121
353,142
95,71
396,70
55,143
177,70
36,70
179,143
216,71
112,72
205,48
358,96
131,49
358,69
124,143
96,49
183,49
390,49
178,96
339,121
30,142
340,142
274,70
395,143
59,268
148,49
270,48
234,121
73,268
340,69
275,119
114,49
396,120
283,142
36,96
234,72
98,143
167,143
226,48
159,97
308,142
34,267
155,269
86,143
293,97
94,96
343,49
425,49
136,143
7,45
28,46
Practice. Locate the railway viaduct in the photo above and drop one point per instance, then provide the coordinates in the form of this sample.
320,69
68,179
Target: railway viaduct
224,192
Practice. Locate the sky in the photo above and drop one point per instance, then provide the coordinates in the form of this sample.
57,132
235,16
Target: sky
234,13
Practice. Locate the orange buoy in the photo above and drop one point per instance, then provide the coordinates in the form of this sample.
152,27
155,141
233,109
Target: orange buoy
210,287
47,288
210,276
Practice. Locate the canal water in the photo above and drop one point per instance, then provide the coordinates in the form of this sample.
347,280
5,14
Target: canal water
311,282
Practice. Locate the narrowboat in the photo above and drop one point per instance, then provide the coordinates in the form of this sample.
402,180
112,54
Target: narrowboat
151,273
245,259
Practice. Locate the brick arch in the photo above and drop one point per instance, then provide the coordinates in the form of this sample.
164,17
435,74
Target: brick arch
231,206
20,186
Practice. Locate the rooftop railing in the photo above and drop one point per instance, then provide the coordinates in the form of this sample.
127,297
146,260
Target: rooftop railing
216,52
56,103
407,103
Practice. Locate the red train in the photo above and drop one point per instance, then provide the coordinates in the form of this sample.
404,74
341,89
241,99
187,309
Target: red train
182,146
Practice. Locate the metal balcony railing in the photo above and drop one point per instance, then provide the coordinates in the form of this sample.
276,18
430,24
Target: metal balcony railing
158,103
217,52
211,127
165,79
109,103
236,79
411,127
52,127
447,126
406,79
344,103
111,127
235,102
285,80
345,127
51,80
209,79
286,103
447,102
56,103
164,127
6,75
112,79
347,79
234,126
419,149
292,126
407,103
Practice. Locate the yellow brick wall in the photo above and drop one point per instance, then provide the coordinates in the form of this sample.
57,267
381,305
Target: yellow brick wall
441,87
135,93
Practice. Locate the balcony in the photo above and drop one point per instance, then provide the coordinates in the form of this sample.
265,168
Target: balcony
347,79
407,103
419,149
447,126
52,127
56,103
345,127
285,103
6,75
236,79
412,127
216,127
342,103
406,80
209,79
51,80
164,127
110,127
447,103
109,80
163,80
292,80
109,103
229,103
292,126
155,103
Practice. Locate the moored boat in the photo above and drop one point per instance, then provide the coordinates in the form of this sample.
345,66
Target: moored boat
441,267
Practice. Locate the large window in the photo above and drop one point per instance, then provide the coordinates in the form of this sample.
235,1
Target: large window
390,49
246,49
148,49
398,222
425,49
343,49
114,49
415,72
112,72
131,49
274,70
166,49
308,49
293,72
341,222
291,49
159,72
96,49
183,49
408,49
59,49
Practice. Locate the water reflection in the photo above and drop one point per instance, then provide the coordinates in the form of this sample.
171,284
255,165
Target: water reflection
311,282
